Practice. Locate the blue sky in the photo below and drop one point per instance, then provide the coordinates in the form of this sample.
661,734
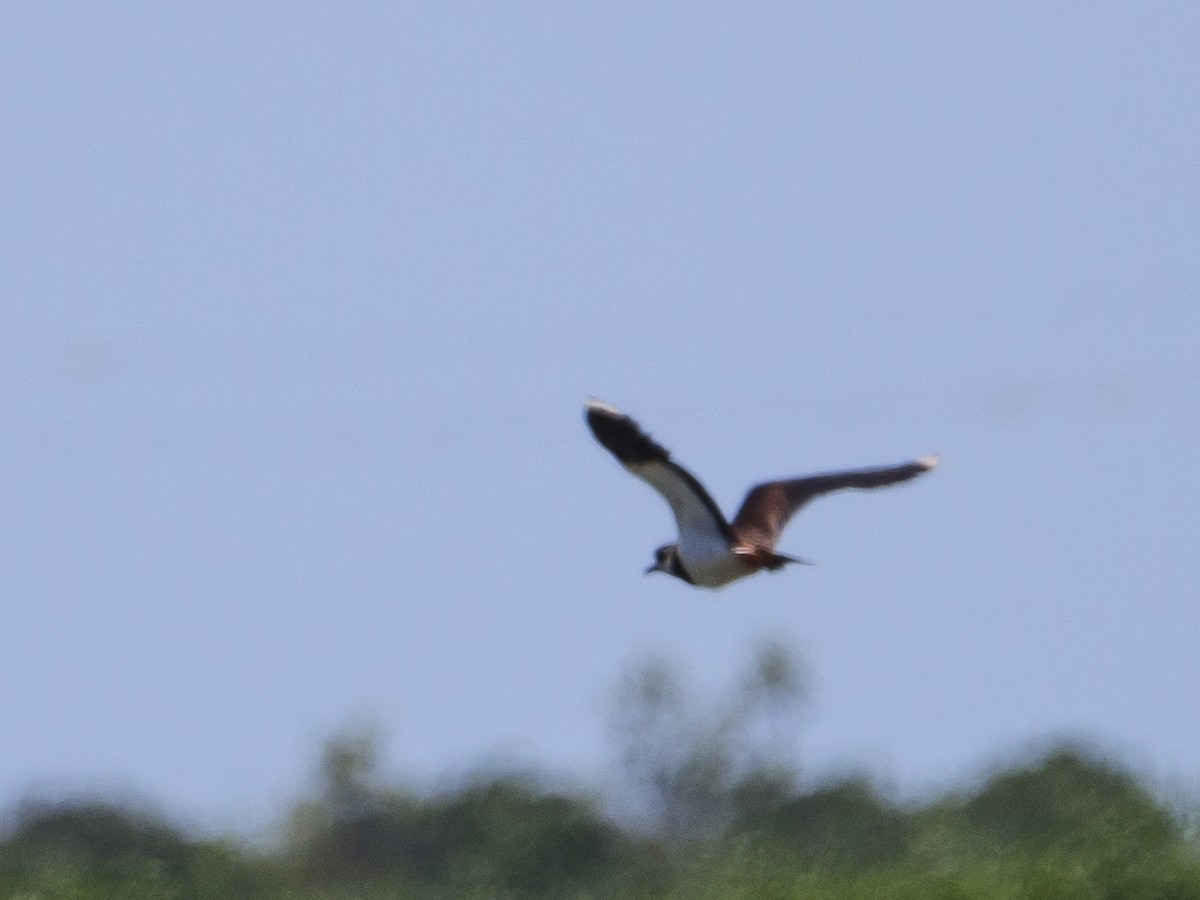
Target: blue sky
302,303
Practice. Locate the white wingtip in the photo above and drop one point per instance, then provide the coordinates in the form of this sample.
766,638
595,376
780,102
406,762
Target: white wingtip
600,406
928,462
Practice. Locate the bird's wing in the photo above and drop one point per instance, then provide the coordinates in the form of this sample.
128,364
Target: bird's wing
695,511
768,506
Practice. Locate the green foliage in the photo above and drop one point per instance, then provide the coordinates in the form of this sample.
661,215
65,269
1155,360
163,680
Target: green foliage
93,848
1072,799
724,816
503,833
841,826
1066,826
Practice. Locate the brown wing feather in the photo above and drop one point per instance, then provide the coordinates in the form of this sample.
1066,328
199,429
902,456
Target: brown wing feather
769,506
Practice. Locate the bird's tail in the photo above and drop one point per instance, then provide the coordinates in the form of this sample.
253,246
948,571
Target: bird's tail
777,561
767,558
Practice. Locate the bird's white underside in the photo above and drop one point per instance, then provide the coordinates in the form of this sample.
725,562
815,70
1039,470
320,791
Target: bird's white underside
711,565
703,542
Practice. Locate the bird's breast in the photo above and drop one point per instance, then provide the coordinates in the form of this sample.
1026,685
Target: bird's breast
711,562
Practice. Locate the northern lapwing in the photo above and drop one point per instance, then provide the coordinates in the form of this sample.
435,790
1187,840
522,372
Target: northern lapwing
711,552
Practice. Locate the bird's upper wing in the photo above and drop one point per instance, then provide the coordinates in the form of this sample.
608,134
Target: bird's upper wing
768,506
695,511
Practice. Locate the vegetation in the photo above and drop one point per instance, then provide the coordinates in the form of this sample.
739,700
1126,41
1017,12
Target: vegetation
711,809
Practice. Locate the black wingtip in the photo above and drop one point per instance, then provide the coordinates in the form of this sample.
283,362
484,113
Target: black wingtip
621,436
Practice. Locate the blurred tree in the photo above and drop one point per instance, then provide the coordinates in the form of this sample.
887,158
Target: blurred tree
720,782
777,685
93,848
94,832
767,716
688,769
678,765
523,838
350,778
501,831
1069,798
844,825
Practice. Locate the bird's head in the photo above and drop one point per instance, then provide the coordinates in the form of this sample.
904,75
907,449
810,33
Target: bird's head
664,560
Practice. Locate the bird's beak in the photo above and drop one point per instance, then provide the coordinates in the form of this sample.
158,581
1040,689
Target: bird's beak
657,567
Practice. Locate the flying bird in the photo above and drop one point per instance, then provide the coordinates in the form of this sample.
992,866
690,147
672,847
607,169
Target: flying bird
711,551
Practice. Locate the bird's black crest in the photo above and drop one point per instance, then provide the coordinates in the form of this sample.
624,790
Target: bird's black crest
622,437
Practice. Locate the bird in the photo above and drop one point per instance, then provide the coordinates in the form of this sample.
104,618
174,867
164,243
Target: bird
711,551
